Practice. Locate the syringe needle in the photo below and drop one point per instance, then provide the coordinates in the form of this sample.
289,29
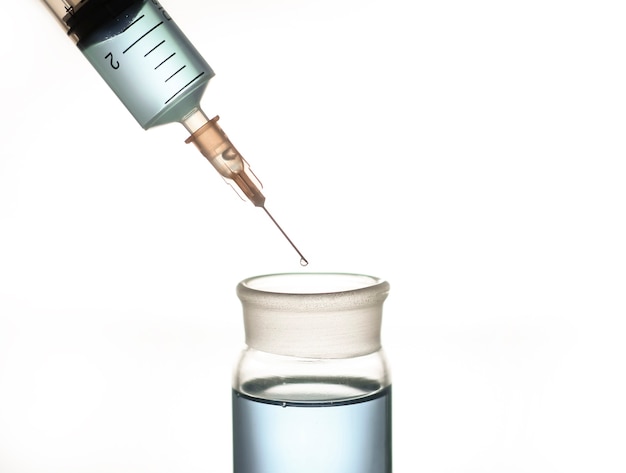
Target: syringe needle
213,143
303,260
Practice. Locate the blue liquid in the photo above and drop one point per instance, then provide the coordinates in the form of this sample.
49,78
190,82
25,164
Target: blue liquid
150,64
323,437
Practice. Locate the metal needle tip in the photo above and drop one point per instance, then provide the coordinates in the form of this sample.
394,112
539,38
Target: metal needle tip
303,260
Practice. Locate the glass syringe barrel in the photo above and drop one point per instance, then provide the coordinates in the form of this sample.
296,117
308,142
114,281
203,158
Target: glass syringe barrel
141,53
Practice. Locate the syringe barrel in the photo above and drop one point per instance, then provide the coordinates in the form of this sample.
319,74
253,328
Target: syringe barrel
141,54
62,9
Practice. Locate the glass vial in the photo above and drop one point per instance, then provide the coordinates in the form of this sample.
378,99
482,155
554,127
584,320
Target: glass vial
312,389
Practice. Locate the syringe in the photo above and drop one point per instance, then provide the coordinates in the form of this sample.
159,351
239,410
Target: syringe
158,75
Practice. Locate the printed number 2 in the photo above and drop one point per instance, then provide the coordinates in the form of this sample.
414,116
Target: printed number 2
114,64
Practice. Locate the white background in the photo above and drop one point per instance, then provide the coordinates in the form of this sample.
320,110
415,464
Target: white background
472,153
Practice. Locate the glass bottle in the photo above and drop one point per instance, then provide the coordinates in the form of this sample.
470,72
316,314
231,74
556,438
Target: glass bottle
312,389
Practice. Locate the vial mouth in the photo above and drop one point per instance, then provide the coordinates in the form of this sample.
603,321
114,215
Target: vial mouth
309,283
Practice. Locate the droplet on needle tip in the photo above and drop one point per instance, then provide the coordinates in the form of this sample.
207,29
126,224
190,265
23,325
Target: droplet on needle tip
303,260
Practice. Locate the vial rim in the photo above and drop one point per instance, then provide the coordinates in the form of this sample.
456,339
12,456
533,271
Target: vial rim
310,284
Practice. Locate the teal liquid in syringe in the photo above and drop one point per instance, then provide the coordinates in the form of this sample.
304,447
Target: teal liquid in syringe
149,63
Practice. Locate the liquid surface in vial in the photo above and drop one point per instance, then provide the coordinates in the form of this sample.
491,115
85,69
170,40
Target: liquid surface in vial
149,63
345,437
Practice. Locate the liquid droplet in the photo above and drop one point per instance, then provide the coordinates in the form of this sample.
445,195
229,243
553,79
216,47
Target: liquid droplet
303,262
284,404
